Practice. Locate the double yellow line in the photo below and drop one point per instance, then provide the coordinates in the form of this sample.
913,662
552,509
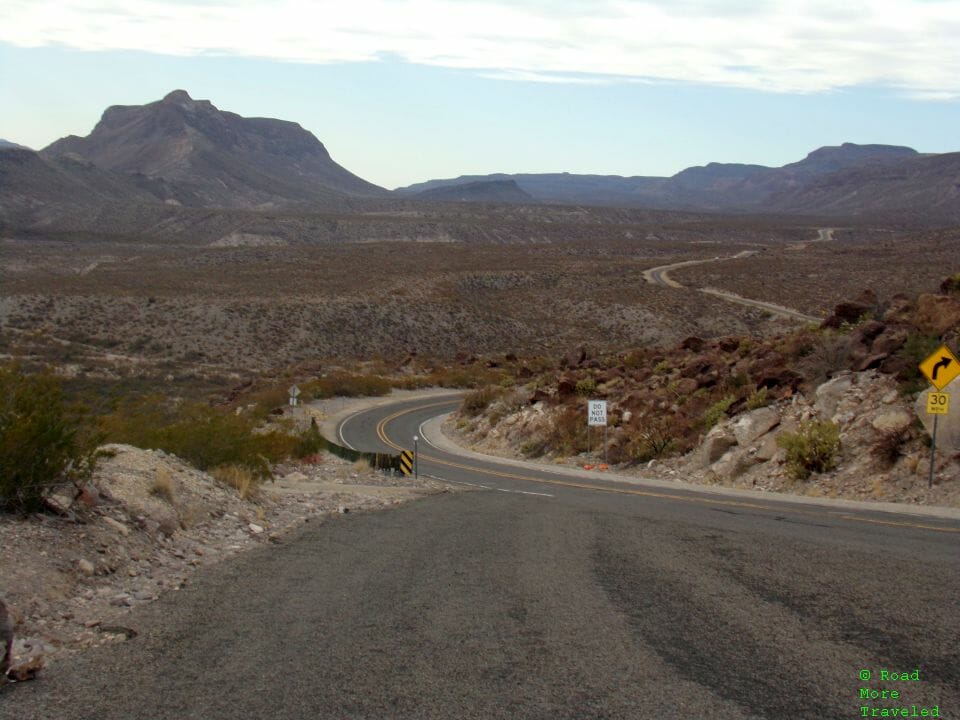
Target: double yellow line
382,434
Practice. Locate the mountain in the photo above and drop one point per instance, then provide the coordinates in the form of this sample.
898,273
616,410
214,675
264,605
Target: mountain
721,187
210,157
5,144
919,188
491,191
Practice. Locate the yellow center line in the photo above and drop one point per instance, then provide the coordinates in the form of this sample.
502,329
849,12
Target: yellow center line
381,433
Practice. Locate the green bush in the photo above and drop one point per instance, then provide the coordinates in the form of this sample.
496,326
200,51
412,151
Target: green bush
758,399
44,441
479,400
716,411
204,436
813,448
586,387
343,384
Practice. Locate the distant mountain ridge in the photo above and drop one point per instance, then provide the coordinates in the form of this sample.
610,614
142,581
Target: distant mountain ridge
722,187
211,157
493,191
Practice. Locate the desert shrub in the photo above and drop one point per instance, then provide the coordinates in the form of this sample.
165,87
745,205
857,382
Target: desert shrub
654,441
586,386
758,399
951,285
205,437
310,441
828,354
239,478
813,448
887,447
916,349
477,401
344,384
44,441
567,433
712,414
162,486
663,367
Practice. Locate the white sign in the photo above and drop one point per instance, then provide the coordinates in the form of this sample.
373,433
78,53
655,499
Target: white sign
597,413
294,394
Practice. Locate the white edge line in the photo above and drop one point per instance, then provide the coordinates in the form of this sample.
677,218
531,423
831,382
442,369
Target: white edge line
347,419
458,482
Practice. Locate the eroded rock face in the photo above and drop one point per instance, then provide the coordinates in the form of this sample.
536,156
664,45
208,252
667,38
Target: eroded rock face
828,395
753,425
717,442
948,426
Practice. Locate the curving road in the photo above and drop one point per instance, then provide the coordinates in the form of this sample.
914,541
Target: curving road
660,275
539,594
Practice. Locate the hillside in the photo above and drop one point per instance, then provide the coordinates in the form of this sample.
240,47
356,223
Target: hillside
496,191
213,157
846,180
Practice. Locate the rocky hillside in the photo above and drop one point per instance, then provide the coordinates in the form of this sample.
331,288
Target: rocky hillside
731,411
213,157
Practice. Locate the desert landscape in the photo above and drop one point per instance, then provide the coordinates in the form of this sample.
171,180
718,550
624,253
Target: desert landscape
166,279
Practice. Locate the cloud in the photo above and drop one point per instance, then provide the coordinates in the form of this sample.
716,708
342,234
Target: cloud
773,45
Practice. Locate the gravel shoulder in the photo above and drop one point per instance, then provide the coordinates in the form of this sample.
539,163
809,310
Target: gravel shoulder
149,524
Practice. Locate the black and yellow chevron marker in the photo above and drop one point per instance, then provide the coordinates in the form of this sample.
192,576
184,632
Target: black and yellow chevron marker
406,462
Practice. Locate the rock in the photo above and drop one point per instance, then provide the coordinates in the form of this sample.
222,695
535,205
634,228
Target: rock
692,343
255,529
733,464
890,397
296,476
717,442
828,395
767,449
893,421
343,509
871,361
755,424
948,426
117,525
847,312
86,567
937,313
889,341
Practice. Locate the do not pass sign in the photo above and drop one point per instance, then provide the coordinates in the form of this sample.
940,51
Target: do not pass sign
597,412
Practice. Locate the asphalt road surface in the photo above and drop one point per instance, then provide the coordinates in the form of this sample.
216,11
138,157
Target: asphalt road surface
537,595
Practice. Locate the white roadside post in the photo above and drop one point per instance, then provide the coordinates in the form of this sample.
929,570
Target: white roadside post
597,417
294,394
416,459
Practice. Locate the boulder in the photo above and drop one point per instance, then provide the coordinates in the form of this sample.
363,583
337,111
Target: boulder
893,420
847,312
694,344
889,341
755,424
733,464
718,441
767,449
948,426
899,309
937,313
828,395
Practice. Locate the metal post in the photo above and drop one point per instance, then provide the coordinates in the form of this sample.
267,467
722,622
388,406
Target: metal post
933,450
416,459
604,444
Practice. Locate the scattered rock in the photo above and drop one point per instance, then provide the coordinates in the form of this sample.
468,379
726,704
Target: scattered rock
895,420
255,529
86,567
117,525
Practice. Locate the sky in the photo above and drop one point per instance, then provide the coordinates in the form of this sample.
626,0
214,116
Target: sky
401,91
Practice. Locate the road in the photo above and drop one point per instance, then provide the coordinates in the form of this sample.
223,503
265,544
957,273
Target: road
534,594
660,275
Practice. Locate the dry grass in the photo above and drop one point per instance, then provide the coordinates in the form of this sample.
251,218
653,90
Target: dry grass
162,486
239,478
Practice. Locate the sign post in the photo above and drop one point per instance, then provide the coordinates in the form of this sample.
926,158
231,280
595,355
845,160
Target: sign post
940,368
294,394
597,417
416,458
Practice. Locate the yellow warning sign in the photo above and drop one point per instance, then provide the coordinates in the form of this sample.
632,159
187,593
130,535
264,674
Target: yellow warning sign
406,462
941,367
938,403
